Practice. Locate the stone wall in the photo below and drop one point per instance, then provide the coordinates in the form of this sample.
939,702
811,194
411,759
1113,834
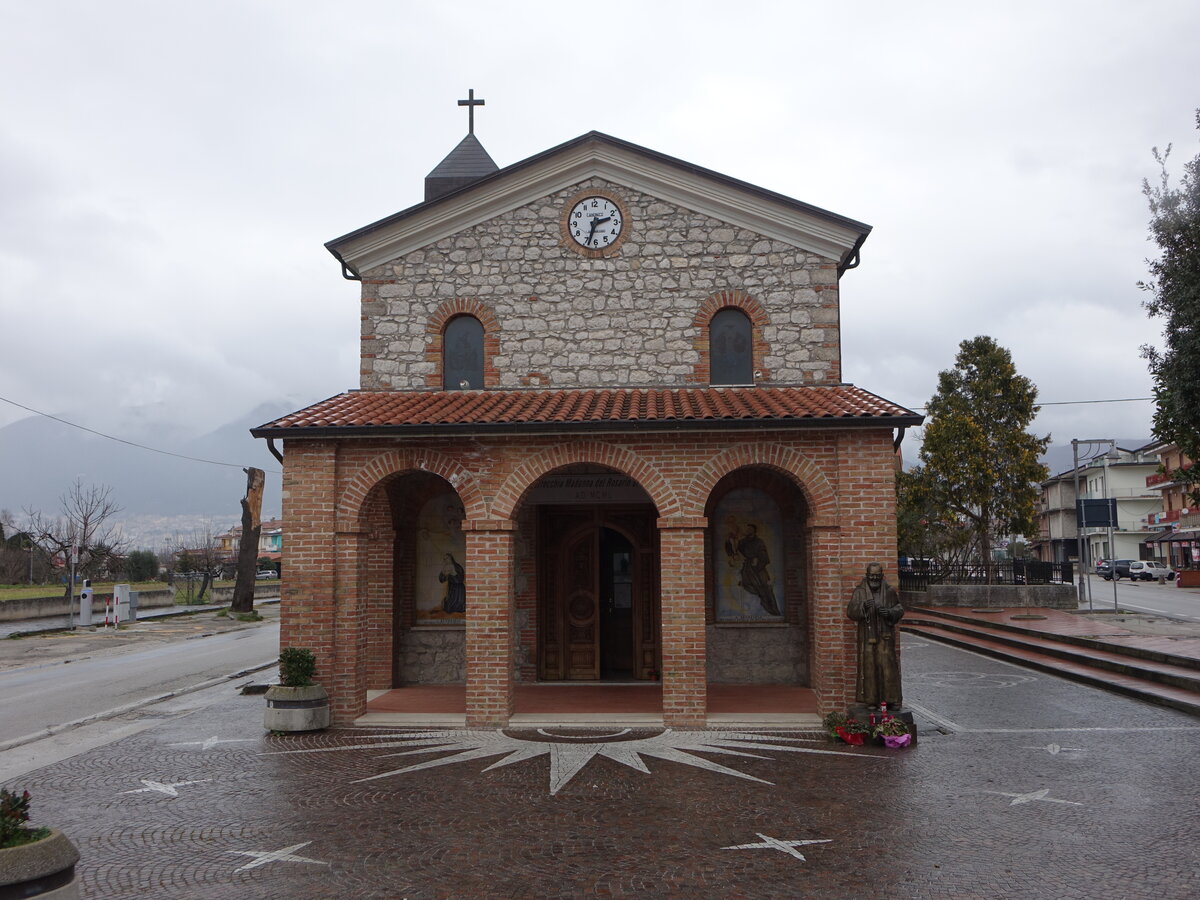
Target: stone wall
566,321
43,607
993,596
755,655
428,656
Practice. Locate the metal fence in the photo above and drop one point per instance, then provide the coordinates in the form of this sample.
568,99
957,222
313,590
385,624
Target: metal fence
1012,571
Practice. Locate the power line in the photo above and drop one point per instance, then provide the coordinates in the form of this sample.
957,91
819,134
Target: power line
1074,402
211,462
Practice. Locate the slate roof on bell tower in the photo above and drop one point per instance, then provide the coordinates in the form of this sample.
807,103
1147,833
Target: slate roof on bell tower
466,163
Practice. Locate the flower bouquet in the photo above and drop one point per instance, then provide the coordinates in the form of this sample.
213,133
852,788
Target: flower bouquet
893,732
845,728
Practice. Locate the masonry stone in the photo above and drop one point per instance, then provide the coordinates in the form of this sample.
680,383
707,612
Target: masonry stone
672,261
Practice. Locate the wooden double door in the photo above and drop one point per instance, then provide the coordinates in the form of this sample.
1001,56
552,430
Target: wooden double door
597,593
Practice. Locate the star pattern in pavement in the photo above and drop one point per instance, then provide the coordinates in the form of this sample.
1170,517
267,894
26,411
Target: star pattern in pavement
1031,796
1055,749
162,787
568,759
771,843
209,743
286,854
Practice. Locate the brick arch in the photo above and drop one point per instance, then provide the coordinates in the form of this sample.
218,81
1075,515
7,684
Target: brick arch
436,327
759,320
351,505
811,481
651,481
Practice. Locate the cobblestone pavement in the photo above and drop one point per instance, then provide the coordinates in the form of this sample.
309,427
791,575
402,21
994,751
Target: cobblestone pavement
1022,785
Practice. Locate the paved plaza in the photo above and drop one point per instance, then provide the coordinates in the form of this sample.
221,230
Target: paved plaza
1022,785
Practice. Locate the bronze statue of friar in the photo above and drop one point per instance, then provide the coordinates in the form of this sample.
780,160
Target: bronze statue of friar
875,606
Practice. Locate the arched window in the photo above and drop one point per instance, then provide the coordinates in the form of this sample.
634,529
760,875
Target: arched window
730,348
462,354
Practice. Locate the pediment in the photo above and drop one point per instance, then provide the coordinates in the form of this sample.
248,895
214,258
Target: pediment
596,155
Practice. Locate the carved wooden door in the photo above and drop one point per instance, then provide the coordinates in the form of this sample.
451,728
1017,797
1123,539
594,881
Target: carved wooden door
578,590
566,573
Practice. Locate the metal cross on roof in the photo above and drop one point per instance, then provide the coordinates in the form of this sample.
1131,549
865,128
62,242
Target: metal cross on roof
470,103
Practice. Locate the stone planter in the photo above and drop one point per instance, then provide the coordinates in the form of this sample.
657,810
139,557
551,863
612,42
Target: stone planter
296,708
44,869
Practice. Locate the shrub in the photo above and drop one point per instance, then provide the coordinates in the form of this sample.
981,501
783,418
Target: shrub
296,667
14,813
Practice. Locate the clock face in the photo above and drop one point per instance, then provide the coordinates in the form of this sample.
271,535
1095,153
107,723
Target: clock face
595,222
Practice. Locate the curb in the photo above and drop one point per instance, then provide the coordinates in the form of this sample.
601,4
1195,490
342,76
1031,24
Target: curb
130,707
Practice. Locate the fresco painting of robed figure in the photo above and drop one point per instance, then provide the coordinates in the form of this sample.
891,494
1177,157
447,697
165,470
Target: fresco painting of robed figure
748,557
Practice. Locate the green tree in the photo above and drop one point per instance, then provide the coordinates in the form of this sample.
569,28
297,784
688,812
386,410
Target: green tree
979,465
141,565
1175,297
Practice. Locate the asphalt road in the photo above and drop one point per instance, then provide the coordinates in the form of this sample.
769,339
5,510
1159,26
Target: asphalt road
1147,596
48,694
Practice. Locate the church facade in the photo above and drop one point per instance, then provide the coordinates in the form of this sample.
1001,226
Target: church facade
601,435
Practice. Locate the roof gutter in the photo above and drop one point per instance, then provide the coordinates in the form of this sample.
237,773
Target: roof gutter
321,432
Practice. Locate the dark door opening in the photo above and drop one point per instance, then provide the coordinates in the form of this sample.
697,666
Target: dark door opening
597,593
616,605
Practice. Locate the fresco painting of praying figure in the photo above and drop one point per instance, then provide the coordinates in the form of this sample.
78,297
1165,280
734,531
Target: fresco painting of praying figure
441,583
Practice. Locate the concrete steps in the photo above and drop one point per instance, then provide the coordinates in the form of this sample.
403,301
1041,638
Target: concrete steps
1147,673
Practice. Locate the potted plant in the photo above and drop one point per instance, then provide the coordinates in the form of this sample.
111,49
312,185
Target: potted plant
892,731
296,703
34,862
845,728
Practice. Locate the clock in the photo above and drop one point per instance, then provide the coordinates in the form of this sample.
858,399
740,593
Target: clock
595,223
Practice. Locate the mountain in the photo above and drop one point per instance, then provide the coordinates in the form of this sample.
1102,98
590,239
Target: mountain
160,495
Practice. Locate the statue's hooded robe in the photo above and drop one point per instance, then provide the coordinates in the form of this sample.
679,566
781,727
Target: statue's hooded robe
878,655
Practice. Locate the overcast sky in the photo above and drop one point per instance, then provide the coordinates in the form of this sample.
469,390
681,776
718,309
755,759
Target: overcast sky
170,171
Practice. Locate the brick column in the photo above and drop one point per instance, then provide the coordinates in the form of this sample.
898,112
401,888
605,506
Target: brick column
310,604
681,581
348,695
489,569
831,633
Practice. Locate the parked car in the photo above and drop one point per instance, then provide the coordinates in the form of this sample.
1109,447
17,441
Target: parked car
1152,570
1121,566
1134,570
266,573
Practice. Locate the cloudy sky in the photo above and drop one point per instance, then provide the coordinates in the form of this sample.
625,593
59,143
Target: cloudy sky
170,171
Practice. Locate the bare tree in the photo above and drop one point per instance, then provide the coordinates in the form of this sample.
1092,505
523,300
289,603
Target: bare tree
200,554
243,588
84,527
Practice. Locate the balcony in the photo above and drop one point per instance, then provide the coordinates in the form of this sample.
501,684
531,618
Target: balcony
1160,478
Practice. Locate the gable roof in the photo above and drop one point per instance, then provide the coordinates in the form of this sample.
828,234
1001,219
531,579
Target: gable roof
379,413
600,155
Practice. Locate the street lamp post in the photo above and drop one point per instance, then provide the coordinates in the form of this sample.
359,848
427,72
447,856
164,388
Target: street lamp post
1109,458
1084,563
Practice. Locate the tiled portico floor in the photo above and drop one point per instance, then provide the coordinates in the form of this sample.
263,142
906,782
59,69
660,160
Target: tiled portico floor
594,703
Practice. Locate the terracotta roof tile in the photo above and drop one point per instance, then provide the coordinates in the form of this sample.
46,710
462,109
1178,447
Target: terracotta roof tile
406,411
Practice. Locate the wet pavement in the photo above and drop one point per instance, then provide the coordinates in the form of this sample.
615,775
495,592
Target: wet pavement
1022,785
